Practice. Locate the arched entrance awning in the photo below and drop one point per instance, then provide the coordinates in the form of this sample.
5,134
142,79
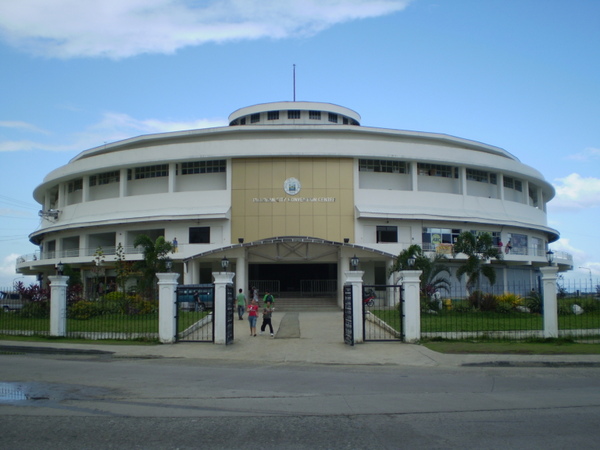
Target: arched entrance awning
294,249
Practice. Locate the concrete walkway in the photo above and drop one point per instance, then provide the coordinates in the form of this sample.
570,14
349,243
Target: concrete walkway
320,341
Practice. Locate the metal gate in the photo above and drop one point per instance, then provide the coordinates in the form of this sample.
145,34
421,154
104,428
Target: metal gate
229,307
383,312
348,316
194,322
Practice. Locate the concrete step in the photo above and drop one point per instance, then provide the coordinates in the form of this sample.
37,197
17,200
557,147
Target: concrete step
306,304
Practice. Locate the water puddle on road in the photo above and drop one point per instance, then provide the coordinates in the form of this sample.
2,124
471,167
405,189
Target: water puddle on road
11,392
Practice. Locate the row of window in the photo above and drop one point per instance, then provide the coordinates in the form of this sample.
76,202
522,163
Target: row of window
294,114
434,239
154,171
439,170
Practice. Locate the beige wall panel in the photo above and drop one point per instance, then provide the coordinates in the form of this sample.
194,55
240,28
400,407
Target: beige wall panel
307,226
319,177
292,226
251,174
334,228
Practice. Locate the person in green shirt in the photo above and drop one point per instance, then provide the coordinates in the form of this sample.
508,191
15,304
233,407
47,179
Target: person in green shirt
268,298
241,304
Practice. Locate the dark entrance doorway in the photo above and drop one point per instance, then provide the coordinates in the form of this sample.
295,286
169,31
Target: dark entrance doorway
298,279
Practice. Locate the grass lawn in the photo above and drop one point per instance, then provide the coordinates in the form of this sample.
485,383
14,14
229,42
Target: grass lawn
542,347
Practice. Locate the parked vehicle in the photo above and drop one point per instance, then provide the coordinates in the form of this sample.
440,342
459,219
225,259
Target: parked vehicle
10,301
195,297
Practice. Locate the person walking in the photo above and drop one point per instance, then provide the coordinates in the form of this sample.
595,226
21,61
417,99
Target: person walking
269,298
267,313
241,304
253,316
255,293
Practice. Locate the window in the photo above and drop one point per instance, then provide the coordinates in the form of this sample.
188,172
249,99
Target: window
533,195
495,235
333,118
243,121
385,166
105,178
314,115
437,170
273,115
481,176
387,234
345,121
199,235
193,167
293,114
518,244
140,173
512,183
75,185
254,118
434,237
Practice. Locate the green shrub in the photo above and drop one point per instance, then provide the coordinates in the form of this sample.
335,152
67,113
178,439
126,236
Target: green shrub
534,302
483,302
83,310
36,310
508,302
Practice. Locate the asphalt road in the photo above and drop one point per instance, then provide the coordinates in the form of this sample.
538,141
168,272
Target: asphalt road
102,401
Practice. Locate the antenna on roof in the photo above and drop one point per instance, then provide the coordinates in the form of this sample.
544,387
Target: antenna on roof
294,82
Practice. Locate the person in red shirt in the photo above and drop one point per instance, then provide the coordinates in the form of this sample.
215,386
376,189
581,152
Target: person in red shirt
253,316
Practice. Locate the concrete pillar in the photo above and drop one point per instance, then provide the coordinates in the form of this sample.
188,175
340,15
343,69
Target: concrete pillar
414,176
355,278
412,305
123,183
344,264
241,277
222,280
58,305
550,301
172,177
167,307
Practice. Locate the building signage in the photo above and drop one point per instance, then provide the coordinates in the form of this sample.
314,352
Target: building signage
294,199
292,186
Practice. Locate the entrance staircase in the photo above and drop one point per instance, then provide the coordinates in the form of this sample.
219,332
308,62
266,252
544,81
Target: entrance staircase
305,304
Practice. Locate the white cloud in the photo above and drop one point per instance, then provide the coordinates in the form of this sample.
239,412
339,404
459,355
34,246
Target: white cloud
124,28
575,192
22,126
588,154
112,127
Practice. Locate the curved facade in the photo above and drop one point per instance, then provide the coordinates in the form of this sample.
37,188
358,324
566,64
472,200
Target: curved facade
288,192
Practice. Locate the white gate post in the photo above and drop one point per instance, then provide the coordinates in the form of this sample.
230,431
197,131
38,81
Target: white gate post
412,305
167,307
550,302
222,280
354,278
58,305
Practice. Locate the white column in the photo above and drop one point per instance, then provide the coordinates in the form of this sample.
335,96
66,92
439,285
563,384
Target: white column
58,305
172,177
550,302
123,183
414,176
355,278
462,178
167,307
241,277
85,189
222,280
412,305
344,264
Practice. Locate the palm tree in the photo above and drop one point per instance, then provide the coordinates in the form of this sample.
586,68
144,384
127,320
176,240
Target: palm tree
155,258
479,249
433,278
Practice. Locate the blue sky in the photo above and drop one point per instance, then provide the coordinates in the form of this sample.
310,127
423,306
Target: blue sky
523,75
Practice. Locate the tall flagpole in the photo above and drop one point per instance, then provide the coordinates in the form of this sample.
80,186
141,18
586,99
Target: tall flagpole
294,82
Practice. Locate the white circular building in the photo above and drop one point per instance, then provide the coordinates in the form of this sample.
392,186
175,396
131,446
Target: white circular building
289,192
